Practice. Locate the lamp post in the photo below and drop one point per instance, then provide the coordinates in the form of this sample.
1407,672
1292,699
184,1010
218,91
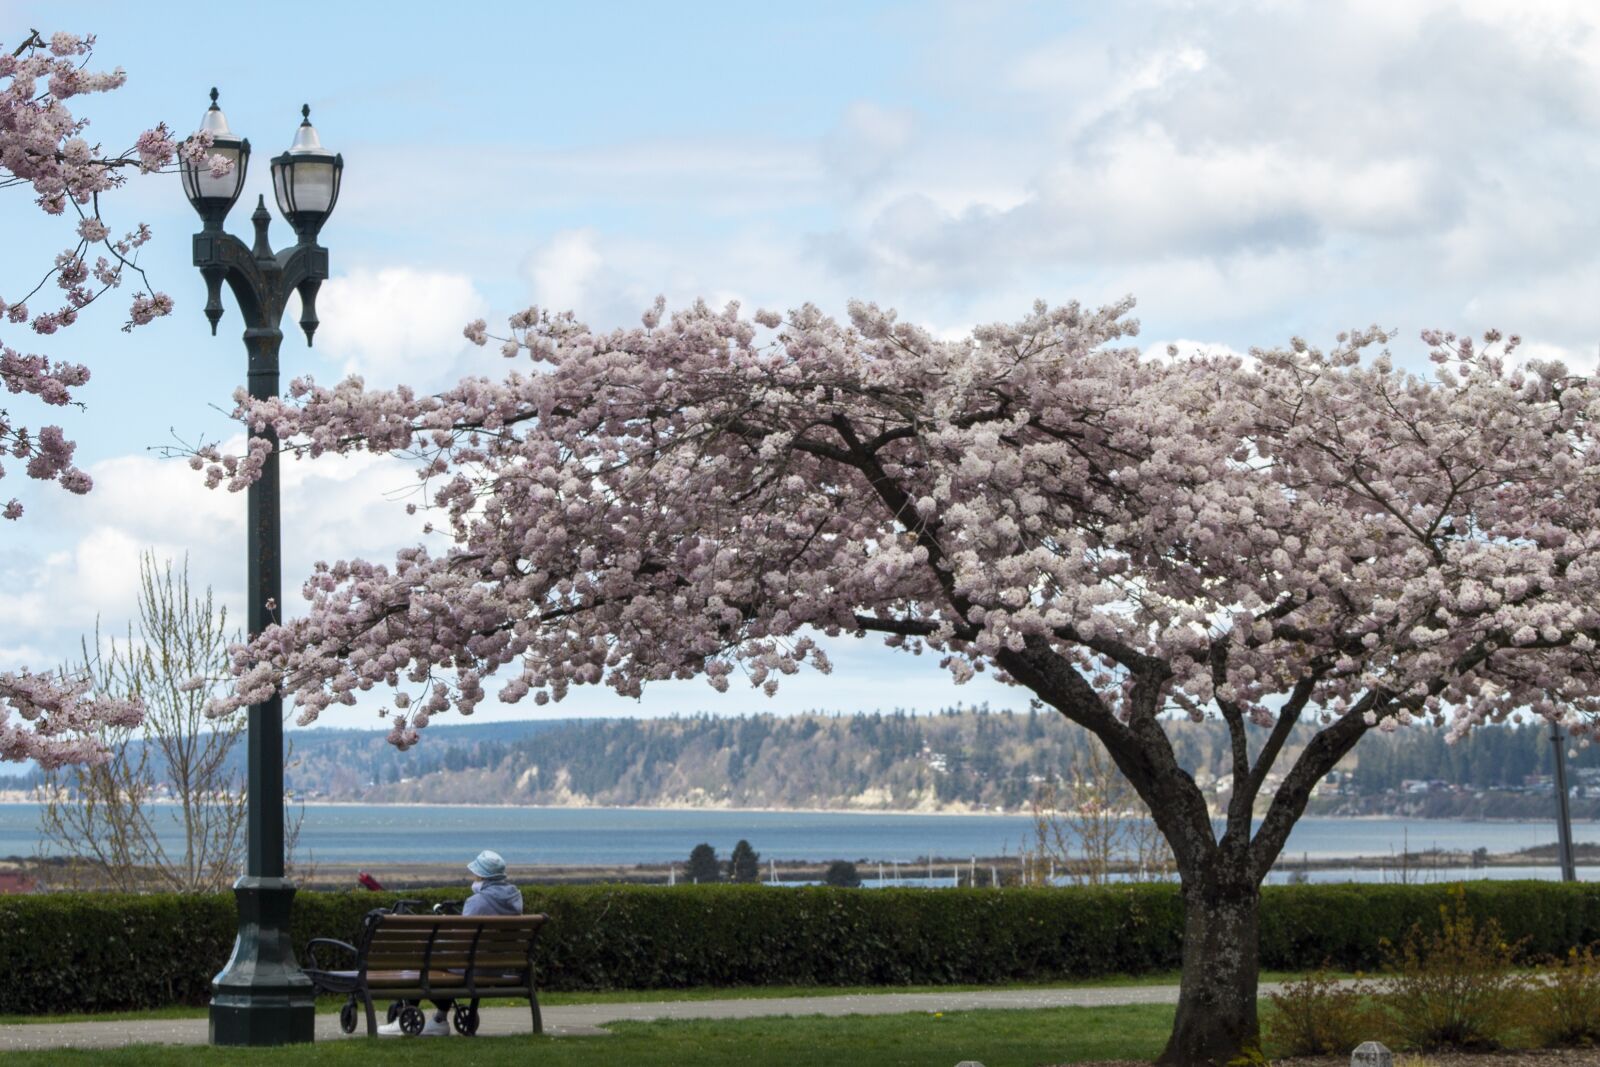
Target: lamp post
262,997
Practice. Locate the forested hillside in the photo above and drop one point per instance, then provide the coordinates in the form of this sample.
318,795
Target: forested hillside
1485,759
954,760
957,759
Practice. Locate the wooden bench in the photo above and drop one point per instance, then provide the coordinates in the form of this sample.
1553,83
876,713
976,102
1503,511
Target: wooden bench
430,957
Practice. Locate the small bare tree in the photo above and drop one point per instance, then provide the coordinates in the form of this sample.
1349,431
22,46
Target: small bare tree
1094,825
165,812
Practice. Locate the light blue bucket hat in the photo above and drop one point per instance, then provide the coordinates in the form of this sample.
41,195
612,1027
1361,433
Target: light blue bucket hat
487,865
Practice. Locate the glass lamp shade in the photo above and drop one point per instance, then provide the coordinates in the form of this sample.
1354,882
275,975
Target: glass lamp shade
212,196
305,180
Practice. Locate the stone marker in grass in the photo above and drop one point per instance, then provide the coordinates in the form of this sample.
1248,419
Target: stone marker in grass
1371,1054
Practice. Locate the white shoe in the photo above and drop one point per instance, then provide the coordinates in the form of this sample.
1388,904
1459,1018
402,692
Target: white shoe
435,1028
391,1030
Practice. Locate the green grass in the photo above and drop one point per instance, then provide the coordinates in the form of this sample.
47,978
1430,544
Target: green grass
631,996
996,1038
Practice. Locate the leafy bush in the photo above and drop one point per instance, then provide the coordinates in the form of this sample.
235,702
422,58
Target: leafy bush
1453,987
103,951
1564,1001
1303,925
842,873
1319,1016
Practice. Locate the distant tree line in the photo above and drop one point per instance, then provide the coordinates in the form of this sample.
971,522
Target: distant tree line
974,757
1492,758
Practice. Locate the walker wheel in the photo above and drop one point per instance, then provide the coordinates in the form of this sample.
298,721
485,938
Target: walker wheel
466,1020
347,1017
412,1020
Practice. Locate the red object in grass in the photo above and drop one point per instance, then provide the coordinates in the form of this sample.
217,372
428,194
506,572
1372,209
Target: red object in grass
368,882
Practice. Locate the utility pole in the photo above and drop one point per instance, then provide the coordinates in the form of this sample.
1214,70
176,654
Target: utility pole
1569,871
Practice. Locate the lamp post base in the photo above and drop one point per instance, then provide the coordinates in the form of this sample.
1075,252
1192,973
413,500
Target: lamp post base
262,997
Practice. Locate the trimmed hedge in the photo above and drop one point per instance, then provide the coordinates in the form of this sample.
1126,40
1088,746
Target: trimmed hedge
102,952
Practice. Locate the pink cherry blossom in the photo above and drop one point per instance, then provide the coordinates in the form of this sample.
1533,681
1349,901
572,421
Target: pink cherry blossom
53,720
47,149
1302,538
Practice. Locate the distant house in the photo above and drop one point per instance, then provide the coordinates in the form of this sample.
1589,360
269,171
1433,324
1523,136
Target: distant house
17,882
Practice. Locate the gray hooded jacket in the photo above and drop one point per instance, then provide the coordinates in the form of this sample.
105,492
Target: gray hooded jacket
493,896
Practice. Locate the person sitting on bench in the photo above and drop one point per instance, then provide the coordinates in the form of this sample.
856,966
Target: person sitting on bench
492,894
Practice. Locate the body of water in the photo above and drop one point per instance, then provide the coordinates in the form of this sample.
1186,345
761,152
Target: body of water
374,834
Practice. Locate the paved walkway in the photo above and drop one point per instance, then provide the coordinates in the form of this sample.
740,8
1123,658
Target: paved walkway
586,1020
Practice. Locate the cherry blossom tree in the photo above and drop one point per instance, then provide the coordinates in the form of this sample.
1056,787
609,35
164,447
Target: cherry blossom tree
44,147
1300,537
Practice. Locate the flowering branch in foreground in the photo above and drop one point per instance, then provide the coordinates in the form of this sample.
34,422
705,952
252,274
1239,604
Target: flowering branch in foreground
44,147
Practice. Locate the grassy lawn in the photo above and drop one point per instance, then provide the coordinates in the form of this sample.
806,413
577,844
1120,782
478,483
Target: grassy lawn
997,1038
630,996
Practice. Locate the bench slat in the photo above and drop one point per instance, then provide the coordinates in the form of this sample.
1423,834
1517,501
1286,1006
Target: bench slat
439,965
421,938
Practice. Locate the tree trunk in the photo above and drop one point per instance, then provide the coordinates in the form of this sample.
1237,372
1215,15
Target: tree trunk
1216,1022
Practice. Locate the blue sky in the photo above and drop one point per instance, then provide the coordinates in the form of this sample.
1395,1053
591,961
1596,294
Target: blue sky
1249,171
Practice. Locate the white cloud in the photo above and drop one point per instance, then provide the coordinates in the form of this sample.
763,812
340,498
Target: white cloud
398,324
1094,80
89,566
1253,165
335,507
564,271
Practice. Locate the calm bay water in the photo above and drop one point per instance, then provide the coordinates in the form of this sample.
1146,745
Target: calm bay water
374,835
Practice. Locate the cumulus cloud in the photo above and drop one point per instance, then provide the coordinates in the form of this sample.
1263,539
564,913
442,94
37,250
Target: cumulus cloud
88,569
1433,158
563,273
335,507
398,324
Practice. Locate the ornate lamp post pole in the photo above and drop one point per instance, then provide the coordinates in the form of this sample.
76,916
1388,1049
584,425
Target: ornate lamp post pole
262,997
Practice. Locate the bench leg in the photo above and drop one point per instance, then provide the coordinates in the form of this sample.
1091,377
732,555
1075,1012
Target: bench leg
533,1005
372,1016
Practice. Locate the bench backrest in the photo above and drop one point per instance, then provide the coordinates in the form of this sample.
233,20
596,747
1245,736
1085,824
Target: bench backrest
435,943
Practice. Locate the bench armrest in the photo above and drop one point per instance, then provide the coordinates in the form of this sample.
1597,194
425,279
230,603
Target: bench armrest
311,951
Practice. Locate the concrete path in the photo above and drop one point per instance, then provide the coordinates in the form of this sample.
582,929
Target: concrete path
586,1020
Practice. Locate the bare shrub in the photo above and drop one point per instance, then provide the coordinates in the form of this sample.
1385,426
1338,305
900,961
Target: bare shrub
1564,1002
1318,1016
165,812
1094,825
1453,987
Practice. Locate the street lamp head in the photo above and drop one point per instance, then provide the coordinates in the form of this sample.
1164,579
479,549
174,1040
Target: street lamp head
212,196
306,180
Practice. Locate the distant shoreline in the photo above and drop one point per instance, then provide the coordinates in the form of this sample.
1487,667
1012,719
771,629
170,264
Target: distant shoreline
21,797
